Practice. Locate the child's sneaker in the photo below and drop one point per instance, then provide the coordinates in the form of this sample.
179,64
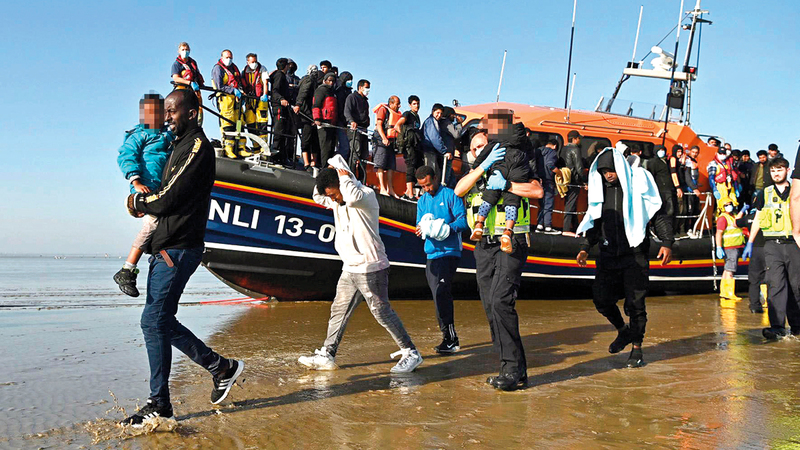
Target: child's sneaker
505,242
126,279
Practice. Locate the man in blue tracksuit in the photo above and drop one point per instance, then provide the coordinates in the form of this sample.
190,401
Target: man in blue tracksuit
441,218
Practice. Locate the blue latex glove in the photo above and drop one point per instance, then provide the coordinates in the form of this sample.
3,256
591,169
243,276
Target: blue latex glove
748,251
745,208
195,86
496,182
496,154
720,253
264,98
237,93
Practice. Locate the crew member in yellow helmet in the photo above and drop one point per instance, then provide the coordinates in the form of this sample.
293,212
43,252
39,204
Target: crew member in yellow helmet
781,253
730,241
227,79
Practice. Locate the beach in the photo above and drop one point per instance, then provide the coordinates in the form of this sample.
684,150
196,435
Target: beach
710,381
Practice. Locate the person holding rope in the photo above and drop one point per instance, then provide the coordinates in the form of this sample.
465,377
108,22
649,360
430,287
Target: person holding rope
227,80
186,75
498,273
256,115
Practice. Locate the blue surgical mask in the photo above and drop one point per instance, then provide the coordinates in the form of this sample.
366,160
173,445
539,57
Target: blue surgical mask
661,153
349,83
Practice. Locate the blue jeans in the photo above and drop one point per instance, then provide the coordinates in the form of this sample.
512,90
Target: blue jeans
546,204
162,330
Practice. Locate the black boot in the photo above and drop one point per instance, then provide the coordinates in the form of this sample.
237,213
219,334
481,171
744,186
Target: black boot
636,359
449,343
774,333
622,340
126,279
508,382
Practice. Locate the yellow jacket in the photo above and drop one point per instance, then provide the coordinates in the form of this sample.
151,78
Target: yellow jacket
562,181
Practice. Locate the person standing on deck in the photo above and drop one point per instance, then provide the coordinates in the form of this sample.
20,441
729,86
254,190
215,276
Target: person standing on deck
356,111
570,157
282,124
365,271
498,273
324,110
309,138
384,141
409,140
441,218
185,75
256,116
623,200
546,158
227,80
181,205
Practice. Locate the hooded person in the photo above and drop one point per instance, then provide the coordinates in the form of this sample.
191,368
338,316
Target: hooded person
309,140
623,203
344,87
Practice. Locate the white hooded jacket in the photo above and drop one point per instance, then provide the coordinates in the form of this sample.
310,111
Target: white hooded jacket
357,228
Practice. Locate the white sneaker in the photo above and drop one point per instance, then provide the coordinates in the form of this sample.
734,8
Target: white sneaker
410,360
539,228
550,230
320,361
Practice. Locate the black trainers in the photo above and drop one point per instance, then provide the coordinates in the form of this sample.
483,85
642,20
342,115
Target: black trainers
148,412
622,340
126,279
636,359
774,333
223,383
508,382
449,341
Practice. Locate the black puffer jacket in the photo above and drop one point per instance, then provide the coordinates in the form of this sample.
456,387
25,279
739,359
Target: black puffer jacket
305,98
342,92
570,156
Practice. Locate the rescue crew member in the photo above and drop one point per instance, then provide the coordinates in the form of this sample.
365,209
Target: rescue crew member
441,218
282,126
227,80
781,253
621,232
309,138
723,179
256,114
384,140
176,246
409,139
730,241
498,273
185,74
324,112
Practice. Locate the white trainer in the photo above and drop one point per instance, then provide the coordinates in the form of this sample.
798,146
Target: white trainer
409,361
320,361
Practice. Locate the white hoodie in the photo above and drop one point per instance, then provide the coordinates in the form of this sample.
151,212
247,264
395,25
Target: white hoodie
357,240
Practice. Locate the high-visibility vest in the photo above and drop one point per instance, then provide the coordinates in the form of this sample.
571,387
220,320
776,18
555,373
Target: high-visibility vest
733,236
495,222
775,219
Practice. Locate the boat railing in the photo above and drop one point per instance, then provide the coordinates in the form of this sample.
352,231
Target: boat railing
639,110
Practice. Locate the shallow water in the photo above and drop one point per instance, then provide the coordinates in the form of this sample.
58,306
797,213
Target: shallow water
710,382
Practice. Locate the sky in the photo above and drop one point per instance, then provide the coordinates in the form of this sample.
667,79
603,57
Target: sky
75,73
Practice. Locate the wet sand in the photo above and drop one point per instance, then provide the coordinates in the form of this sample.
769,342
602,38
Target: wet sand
710,381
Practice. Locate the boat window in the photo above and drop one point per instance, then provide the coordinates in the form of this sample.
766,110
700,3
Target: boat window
591,146
646,147
540,138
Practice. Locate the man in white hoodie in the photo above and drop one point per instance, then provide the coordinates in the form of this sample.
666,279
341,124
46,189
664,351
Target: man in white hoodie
365,271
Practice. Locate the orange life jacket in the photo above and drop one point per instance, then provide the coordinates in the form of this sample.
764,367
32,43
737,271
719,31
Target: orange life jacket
190,71
251,81
234,77
390,121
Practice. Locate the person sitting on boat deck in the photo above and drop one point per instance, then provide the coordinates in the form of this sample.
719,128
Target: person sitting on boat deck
723,179
303,107
227,80
570,157
185,75
498,273
181,204
142,158
730,241
356,111
514,168
365,271
773,152
324,111
546,158
409,140
623,202
283,125
692,180
384,140
781,252
441,218
256,115
343,89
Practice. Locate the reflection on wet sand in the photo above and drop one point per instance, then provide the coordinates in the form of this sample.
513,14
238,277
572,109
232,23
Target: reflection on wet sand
710,382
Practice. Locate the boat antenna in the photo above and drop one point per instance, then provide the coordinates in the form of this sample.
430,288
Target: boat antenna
572,91
502,69
672,76
638,27
571,40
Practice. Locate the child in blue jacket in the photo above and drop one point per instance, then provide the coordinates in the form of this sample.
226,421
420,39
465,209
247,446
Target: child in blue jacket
142,158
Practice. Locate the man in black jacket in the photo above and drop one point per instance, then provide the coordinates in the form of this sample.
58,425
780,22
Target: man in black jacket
282,124
570,156
181,205
309,141
658,167
344,87
324,111
622,269
356,112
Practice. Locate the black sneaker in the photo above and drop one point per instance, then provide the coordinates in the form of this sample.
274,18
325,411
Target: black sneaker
636,359
148,412
757,309
126,279
449,345
622,340
223,383
774,333
508,382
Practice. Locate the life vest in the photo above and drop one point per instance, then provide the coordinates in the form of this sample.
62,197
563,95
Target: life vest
232,76
495,222
733,235
390,121
190,71
775,219
724,174
252,84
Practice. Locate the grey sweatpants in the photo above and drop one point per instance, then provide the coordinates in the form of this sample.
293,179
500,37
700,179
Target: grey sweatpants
374,288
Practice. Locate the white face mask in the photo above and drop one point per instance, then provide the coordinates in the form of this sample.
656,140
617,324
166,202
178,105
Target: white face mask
227,61
729,209
184,54
252,65
661,153
366,92
722,156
